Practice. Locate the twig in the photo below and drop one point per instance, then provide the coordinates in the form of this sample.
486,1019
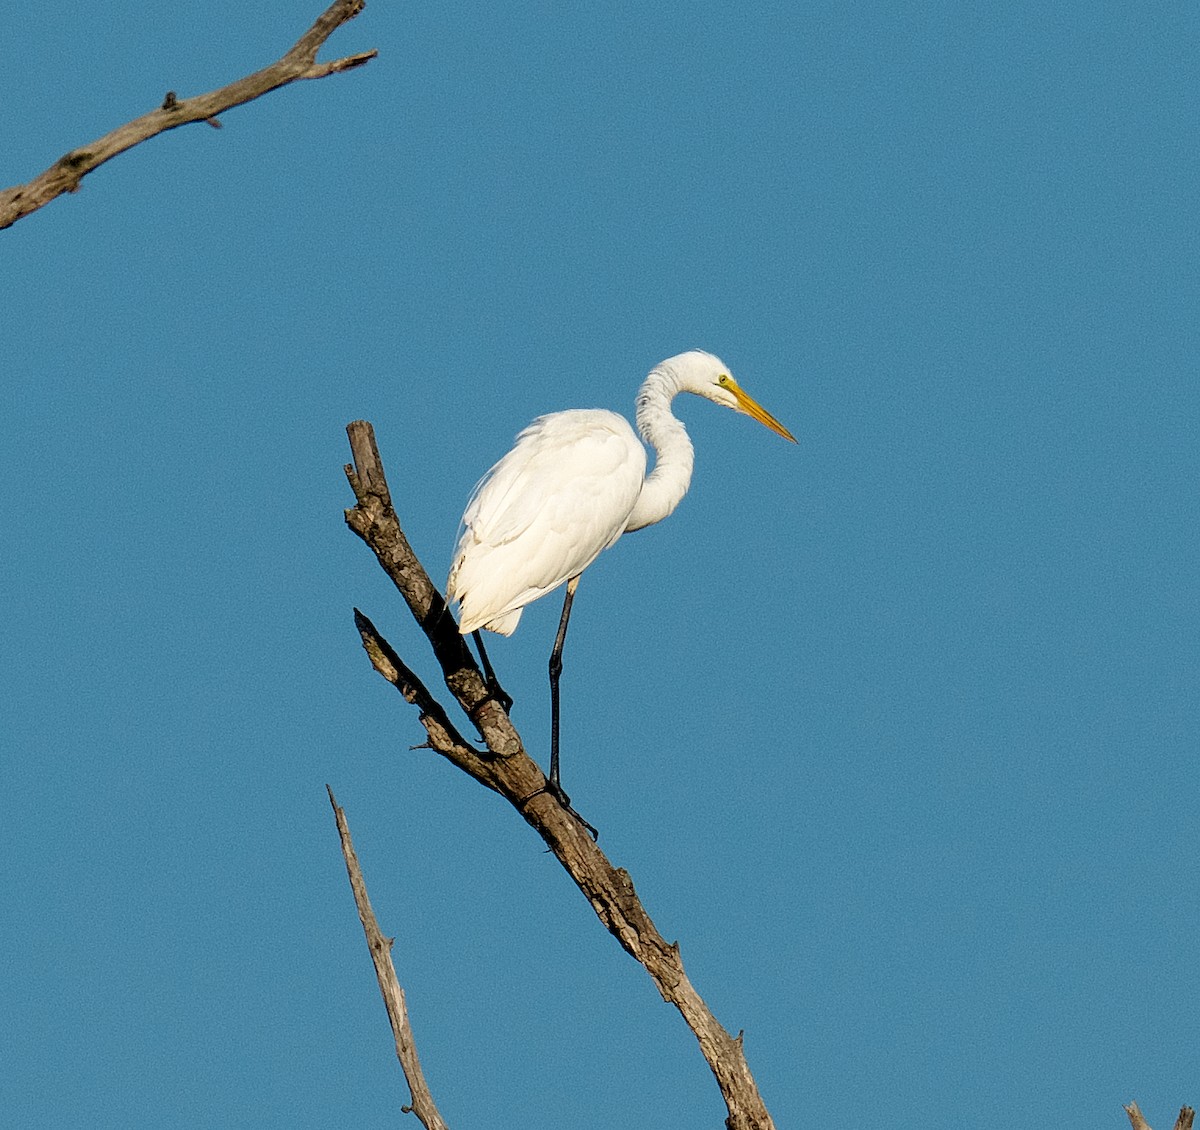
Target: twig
423,1105
512,773
1136,1120
299,63
1135,1117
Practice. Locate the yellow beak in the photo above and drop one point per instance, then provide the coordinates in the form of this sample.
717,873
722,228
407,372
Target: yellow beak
756,411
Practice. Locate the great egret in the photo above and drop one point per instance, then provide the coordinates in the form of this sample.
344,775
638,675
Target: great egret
573,484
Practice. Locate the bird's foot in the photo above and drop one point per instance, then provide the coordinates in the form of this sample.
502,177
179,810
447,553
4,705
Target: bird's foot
554,789
494,692
499,694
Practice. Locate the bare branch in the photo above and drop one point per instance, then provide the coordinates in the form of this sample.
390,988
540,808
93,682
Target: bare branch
300,62
374,520
1136,1120
423,1105
509,770
1135,1117
444,738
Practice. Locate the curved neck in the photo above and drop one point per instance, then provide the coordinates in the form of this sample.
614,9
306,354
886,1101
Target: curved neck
673,455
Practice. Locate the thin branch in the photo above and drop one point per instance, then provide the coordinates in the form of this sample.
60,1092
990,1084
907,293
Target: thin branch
509,770
423,1105
1136,1120
443,735
299,63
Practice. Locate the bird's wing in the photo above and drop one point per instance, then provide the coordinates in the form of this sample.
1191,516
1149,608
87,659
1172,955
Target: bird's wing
545,512
572,469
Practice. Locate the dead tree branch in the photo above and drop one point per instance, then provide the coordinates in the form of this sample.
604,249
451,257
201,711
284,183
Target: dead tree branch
300,62
506,768
1136,1120
423,1105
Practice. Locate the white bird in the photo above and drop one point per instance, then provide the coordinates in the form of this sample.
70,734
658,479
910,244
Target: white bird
573,484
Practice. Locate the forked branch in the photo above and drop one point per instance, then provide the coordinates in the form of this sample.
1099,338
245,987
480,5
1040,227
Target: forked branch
506,768
1184,1122
299,63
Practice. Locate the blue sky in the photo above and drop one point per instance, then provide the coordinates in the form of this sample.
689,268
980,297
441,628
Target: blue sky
895,730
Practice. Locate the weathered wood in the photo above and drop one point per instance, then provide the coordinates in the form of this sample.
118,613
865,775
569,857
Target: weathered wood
423,1105
506,768
300,62
1138,1122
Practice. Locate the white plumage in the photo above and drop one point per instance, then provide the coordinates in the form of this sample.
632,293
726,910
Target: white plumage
544,513
572,485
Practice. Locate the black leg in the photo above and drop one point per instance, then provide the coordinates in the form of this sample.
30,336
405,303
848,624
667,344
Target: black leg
552,786
493,684
555,672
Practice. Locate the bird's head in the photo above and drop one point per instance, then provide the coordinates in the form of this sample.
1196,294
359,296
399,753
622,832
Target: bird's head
708,376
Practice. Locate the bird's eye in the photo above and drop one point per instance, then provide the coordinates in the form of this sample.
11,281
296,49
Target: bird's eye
723,379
